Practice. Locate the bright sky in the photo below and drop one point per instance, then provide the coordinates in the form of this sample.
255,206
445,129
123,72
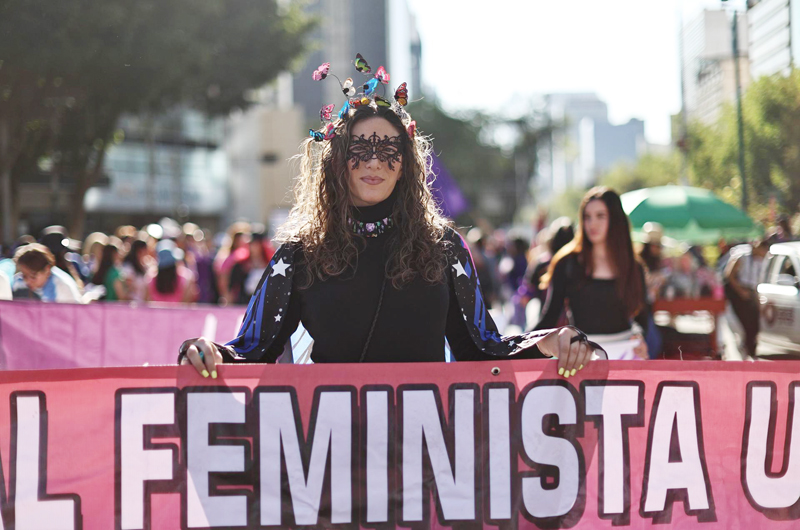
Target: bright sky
495,54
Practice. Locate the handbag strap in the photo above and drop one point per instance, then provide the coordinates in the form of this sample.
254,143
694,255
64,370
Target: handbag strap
374,321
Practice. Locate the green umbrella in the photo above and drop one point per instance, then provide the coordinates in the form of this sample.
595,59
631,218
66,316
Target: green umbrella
693,215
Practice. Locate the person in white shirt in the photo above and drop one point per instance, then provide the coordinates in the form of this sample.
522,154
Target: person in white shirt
741,277
37,275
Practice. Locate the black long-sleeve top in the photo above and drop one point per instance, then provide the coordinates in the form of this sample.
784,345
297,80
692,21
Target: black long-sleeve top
338,312
595,306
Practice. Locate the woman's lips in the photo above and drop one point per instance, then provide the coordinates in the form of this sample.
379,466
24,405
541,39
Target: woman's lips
373,181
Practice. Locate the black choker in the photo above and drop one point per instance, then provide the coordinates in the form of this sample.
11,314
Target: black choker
371,229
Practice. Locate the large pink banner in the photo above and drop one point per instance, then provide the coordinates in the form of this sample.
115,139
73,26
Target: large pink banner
691,445
35,335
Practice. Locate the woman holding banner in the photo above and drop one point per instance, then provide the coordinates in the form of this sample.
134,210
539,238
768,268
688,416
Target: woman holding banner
368,264
598,269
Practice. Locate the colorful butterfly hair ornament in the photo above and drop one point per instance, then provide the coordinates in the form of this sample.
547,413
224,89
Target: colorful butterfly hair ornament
401,95
321,72
361,64
325,113
360,94
328,133
382,75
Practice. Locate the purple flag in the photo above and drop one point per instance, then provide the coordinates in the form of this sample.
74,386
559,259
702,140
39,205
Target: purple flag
446,192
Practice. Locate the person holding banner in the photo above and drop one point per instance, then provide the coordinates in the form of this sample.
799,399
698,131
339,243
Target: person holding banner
597,278
369,265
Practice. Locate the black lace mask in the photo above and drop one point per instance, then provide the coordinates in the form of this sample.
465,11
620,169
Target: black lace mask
363,149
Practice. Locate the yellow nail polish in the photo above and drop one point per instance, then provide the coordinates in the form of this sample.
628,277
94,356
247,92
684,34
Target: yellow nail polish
560,371
580,367
566,375
214,374
573,372
204,373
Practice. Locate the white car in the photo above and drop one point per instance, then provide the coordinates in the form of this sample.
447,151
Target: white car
779,300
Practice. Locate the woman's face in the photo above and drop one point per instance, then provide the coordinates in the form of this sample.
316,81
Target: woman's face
595,221
374,160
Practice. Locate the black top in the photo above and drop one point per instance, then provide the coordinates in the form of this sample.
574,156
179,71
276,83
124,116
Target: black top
594,303
412,324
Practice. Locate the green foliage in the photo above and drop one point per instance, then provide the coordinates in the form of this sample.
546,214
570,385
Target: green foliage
771,111
649,170
69,70
567,203
475,165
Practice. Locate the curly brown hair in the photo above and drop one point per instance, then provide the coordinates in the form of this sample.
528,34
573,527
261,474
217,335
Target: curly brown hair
318,220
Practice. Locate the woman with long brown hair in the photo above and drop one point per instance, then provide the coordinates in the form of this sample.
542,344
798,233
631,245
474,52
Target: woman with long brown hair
368,264
597,279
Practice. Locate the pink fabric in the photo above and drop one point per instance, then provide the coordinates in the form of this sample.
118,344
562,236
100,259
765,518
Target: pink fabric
95,429
36,335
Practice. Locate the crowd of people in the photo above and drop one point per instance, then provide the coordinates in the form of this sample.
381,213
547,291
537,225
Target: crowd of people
163,262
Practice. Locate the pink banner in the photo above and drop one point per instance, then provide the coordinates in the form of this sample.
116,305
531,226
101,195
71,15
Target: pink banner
439,445
35,335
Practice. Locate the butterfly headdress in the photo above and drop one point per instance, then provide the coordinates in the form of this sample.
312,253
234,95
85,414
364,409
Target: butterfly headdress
358,94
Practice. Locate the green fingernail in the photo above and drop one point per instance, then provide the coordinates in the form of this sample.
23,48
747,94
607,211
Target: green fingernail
204,373
573,372
214,374
560,371
580,367
566,375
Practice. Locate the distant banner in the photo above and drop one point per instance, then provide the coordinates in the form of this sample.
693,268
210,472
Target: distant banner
36,335
507,444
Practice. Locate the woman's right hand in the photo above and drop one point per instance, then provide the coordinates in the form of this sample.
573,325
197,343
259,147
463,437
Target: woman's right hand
203,355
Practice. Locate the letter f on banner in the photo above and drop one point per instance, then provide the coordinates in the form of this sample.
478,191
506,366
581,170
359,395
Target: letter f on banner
138,464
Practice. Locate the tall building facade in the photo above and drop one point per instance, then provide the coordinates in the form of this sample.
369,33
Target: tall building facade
168,165
774,31
384,32
584,143
707,63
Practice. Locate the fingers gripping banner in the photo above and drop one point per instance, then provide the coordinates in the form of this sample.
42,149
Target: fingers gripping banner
418,446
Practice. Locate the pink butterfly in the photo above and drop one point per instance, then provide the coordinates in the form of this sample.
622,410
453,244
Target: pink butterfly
412,129
325,112
321,72
382,75
330,131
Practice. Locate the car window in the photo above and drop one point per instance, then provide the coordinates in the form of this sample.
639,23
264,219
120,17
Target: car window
788,267
774,269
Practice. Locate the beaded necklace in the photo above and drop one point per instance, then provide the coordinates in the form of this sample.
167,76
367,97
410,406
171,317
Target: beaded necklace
373,229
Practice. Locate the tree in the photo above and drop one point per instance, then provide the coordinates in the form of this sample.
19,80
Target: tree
771,110
649,170
70,71
475,164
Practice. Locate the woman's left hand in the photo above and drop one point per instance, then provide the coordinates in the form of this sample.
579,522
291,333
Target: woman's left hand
572,355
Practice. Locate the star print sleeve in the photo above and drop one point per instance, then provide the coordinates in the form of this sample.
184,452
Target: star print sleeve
272,314
476,324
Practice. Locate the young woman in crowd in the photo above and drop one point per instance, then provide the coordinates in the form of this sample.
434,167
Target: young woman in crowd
173,282
369,265
109,273
136,270
597,278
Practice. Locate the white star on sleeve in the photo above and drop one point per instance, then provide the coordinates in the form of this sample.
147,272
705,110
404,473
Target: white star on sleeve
280,268
277,318
460,269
